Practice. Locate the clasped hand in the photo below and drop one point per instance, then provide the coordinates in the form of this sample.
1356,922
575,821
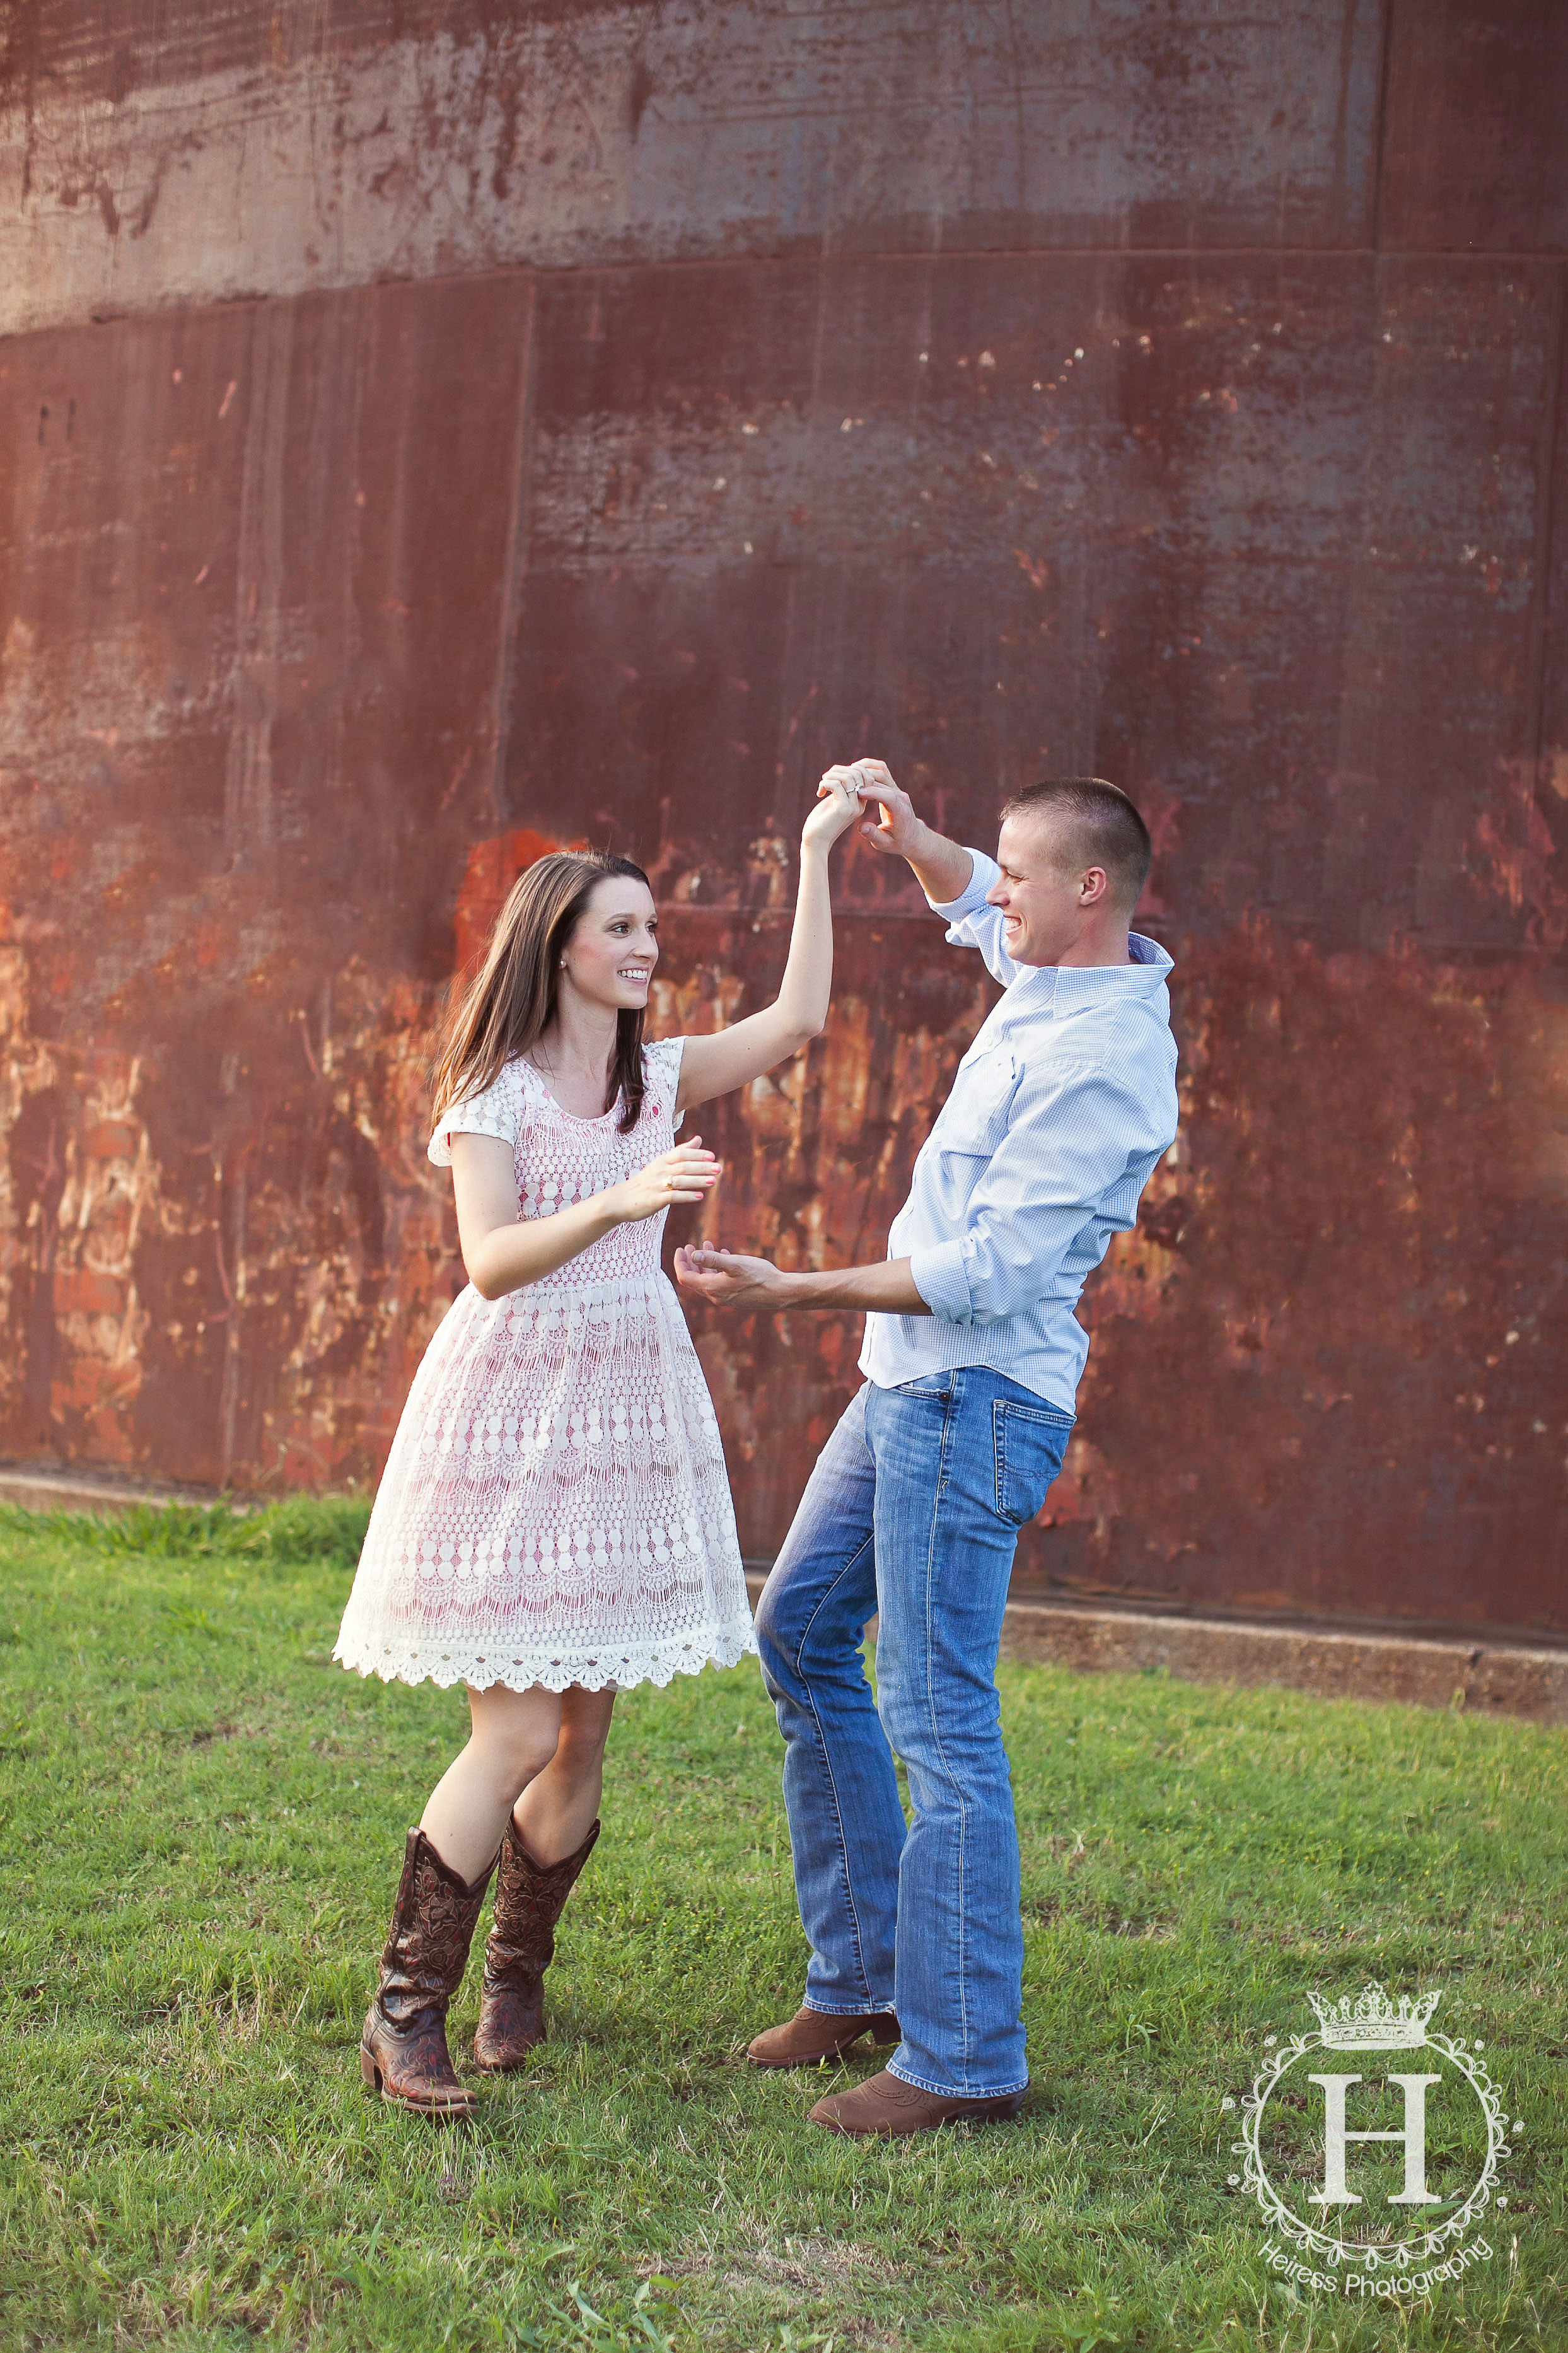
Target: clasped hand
862,793
838,804
727,1278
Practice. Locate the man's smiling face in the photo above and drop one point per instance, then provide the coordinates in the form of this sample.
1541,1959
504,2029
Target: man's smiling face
1043,891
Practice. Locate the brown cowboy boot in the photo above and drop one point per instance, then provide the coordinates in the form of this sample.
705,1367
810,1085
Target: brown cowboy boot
403,2050
529,1899
812,2037
885,2104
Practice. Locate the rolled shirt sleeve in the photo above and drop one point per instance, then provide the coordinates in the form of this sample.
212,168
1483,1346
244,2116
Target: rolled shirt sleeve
1067,1148
971,924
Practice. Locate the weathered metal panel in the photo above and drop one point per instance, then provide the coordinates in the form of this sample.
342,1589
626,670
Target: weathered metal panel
320,616
1473,151
1263,541
254,565
1232,531
160,153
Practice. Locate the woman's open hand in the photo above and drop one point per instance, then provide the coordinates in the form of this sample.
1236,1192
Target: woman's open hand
838,804
685,1174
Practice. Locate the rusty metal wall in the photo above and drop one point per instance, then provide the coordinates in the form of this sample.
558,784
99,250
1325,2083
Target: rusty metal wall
428,432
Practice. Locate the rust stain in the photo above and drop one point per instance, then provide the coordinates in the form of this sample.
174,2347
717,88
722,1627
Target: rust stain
324,612
81,1199
1341,1255
431,138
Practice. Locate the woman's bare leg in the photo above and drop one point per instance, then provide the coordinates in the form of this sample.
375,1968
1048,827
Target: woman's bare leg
515,1736
559,1806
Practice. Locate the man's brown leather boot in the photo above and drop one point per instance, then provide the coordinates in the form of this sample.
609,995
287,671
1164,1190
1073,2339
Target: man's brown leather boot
529,1899
813,2036
886,2104
403,2050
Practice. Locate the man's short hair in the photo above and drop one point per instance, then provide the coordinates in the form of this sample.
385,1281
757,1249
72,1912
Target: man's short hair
1100,823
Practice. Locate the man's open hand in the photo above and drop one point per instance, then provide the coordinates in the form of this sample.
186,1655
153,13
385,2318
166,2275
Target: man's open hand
891,824
726,1278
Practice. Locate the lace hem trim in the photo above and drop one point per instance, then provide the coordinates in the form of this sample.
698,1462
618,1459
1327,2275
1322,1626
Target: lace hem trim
622,1664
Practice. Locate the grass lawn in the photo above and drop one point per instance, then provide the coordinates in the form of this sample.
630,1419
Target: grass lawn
202,1825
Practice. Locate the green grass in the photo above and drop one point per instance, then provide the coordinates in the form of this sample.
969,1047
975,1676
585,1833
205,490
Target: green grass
203,1822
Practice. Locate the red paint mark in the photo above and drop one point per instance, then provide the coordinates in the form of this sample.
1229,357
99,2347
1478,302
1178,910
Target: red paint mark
493,866
1162,812
113,1139
79,1292
458,773
1509,854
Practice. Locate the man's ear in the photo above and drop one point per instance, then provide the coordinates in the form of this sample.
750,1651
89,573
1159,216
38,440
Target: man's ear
1094,886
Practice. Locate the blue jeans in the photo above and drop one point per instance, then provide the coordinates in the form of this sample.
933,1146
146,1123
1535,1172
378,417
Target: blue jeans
913,1511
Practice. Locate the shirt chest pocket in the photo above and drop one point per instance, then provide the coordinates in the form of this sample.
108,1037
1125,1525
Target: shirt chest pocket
973,1120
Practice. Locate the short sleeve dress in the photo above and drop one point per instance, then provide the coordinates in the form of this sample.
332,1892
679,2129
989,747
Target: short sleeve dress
556,1509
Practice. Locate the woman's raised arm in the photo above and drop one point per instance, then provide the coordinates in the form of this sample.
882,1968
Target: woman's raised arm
733,1056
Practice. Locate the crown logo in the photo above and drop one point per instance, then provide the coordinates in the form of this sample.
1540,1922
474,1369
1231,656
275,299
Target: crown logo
1372,2022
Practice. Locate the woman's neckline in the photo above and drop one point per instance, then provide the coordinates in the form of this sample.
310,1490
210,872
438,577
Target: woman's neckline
578,1119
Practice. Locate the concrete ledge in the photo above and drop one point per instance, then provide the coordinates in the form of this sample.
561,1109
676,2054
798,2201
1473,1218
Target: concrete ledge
38,1488
1498,1679
1494,1679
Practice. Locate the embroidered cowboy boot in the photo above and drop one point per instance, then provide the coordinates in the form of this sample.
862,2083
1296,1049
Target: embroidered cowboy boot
403,2050
529,1899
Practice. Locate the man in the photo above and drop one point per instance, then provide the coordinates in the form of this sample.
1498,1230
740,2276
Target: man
1058,1113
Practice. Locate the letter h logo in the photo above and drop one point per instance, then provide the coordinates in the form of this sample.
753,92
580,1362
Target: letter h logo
1336,2141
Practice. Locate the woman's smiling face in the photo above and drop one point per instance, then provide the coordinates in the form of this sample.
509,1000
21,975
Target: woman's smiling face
613,947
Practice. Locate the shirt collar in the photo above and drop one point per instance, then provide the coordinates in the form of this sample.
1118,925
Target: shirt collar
1072,988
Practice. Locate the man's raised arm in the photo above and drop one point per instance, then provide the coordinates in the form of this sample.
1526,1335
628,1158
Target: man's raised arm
942,868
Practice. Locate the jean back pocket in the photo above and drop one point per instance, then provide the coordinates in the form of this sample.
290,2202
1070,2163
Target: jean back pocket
1030,1442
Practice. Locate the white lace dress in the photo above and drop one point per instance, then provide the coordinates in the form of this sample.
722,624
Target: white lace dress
554,1508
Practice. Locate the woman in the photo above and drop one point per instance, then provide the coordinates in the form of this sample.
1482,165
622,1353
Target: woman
554,1523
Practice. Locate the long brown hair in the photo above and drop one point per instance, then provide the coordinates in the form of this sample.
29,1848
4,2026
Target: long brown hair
511,1001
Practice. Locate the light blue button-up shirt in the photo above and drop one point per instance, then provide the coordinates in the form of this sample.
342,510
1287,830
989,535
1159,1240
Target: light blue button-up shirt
1058,1113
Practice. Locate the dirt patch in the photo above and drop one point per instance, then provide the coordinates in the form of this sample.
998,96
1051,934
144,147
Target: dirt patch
807,2265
